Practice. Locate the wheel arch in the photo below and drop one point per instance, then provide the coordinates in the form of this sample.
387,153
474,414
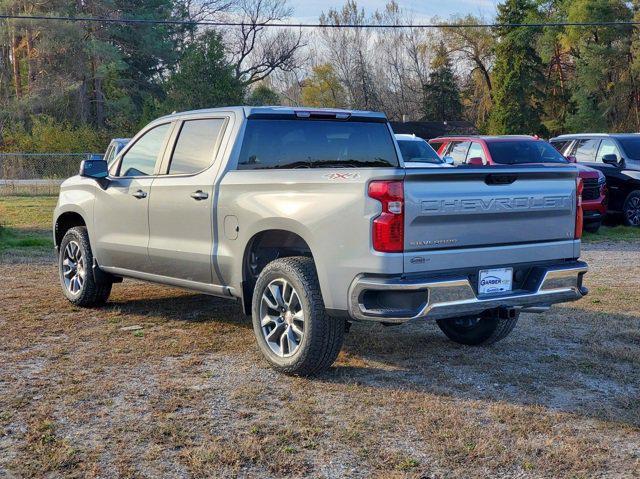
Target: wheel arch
262,248
64,222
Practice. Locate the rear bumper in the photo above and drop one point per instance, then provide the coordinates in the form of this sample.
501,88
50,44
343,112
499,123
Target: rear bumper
594,208
448,297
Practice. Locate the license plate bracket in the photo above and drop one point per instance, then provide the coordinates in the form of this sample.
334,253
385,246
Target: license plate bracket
492,281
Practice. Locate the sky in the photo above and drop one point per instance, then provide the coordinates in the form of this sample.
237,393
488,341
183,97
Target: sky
310,10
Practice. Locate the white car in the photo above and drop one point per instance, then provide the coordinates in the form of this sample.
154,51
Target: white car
417,153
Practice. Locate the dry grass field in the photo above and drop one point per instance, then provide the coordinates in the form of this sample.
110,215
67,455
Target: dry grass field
188,394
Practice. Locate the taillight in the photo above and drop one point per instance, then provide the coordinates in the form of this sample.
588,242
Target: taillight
579,215
388,227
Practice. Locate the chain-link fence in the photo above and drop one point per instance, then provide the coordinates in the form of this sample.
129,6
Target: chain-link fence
37,173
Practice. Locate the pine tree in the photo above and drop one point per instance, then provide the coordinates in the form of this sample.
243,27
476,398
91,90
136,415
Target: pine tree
518,73
441,93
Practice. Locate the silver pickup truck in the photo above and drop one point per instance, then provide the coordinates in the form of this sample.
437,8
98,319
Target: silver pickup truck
309,219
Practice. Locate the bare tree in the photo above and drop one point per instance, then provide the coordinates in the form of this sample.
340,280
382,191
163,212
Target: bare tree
258,51
203,10
473,45
349,50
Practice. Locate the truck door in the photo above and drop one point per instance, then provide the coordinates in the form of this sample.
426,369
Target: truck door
121,223
181,205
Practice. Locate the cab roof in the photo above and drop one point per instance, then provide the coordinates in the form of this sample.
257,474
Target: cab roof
486,138
288,112
595,135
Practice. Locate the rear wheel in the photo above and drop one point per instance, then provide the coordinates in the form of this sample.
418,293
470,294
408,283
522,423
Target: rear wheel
488,328
292,328
631,209
592,226
75,263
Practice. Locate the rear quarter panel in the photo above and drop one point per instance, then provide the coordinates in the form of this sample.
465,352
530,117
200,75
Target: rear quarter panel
328,208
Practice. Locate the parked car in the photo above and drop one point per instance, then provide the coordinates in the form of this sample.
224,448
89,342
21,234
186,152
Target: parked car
311,221
618,157
417,153
115,146
500,150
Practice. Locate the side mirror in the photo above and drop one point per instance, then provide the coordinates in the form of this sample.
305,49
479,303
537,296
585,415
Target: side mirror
448,160
611,159
571,159
96,169
475,161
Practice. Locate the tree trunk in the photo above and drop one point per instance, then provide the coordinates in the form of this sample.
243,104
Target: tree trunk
31,61
97,95
15,54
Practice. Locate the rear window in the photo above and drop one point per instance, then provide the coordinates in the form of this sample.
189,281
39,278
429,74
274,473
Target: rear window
418,151
516,152
271,144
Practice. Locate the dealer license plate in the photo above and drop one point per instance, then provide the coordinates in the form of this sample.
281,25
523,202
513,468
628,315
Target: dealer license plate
495,280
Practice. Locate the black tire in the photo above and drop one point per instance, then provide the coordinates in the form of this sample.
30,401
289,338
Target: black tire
89,292
320,343
592,226
631,209
486,329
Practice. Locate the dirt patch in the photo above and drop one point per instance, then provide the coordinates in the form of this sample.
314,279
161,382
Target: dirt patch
188,395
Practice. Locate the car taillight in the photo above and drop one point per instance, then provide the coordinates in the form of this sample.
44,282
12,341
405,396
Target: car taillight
388,227
579,215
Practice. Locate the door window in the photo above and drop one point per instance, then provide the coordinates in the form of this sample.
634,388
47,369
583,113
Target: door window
607,147
458,151
585,150
141,158
476,151
195,146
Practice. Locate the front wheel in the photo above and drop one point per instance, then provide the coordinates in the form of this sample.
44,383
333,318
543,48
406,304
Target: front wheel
292,328
485,329
75,263
631,209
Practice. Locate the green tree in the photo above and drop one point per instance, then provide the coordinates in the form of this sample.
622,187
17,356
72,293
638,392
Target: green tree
518,73
602,86
323,88
441,94
204,78
263,95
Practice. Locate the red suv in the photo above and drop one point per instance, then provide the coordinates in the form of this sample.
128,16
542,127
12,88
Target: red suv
510,150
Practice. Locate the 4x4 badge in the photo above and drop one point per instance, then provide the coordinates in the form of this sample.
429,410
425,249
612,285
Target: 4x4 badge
342,176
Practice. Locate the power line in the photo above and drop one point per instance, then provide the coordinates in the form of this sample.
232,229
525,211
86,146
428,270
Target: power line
144,21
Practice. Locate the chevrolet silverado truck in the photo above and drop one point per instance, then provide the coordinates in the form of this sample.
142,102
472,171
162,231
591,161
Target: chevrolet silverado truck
309,219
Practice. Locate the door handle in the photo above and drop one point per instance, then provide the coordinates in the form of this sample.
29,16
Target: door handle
140,194
199,195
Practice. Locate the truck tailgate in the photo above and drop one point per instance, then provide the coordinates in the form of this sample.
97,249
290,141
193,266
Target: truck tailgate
466,208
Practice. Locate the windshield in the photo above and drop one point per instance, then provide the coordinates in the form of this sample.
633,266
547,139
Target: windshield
418,151
278,143
519,151
631,147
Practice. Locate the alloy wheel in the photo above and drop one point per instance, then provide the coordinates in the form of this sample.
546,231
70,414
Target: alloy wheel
282,317
73,268
632,211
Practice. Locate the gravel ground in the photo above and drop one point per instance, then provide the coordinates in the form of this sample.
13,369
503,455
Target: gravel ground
188,395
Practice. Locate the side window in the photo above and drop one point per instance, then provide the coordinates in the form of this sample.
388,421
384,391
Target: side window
560,145
141,158
476,151
194,148
110,154
585,150
458,151
607,147
436,145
